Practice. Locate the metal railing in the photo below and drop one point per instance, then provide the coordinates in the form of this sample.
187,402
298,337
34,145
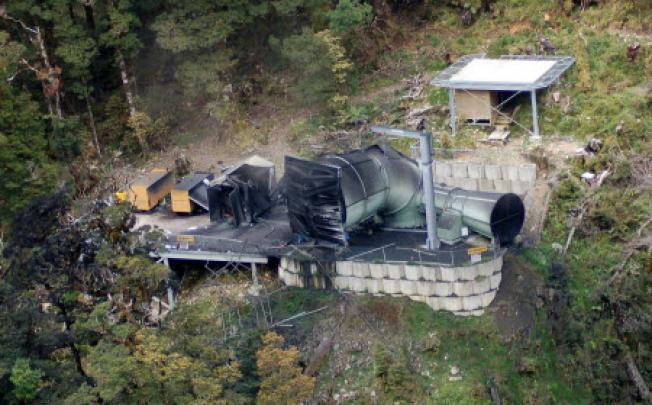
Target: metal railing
457,257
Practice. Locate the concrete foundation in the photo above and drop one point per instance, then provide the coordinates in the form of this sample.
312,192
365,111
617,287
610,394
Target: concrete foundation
466,290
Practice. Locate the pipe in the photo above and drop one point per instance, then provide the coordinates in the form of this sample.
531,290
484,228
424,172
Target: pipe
329,197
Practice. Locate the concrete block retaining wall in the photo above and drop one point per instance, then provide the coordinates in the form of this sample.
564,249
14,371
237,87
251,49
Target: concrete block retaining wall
461,290
517,179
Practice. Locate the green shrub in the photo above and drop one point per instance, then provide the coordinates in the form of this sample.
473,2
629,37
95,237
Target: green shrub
25,379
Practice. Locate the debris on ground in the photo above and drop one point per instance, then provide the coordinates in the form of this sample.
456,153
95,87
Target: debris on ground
455,374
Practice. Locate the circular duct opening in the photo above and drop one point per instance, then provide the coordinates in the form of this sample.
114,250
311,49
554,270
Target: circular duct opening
507,217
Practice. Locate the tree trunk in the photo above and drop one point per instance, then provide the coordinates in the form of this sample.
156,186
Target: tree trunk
53,73
51,70
90,17
125,82
637,378
70,341
91,119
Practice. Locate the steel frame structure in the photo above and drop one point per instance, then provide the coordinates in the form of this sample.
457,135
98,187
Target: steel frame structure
445,80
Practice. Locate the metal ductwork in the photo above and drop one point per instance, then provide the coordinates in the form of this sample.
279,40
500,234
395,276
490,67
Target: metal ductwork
494,215
334,194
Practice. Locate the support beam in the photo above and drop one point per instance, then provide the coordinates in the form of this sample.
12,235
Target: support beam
170,298
254,274
451,106
535,114
425,142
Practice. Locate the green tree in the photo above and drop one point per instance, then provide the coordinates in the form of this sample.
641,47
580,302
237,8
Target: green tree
318,64
25,169
349,14
25,379
198,32
282,380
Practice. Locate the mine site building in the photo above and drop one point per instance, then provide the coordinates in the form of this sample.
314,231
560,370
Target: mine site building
479,88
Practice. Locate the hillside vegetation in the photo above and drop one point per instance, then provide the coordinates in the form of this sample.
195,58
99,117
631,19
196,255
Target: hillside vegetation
89,88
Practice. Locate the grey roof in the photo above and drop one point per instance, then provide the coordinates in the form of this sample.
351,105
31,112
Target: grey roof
446,78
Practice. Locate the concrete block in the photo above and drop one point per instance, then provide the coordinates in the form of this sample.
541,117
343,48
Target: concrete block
449,274
295,280
344,268
481,285
341,282
527,172
426,288
486,185
468,273
493,172
391,286
488,297
449,181
460,170
476,170
442,169
430,273
395,271
412,272
472,302
486,269
374,286
434,303
417,298
377,271
520,187
294,266
443,289
361,269
286,278
468,184
503,186
463,288
453,304
408,287
495,281
510,172
497,264
358,284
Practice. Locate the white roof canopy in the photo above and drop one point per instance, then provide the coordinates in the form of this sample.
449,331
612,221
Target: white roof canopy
503,70
509,72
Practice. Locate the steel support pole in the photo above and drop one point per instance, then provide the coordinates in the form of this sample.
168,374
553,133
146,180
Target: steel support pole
254,274
451,106
535,113
170,298
425,142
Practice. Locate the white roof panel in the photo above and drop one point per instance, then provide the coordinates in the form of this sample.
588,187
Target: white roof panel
503,71
509,72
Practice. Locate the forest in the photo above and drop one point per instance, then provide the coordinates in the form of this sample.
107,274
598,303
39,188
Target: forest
92,90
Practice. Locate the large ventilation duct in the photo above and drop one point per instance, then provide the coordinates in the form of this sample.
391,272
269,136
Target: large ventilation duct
334,194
